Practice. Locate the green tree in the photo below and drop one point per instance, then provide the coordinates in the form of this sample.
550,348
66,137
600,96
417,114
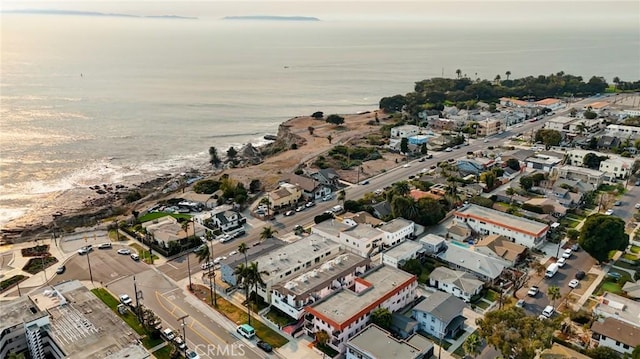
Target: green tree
459,73
603,352
255,185
412,266
13,355
342,195
635,354
554,293
322,337
601,234
510,192
267,232
508,73
514,164
589,115
392,104
242,277
548,137
423,149
335,119
481,201
497,79
573,112
526,182
404,145
489,178
318,115
515,334
471,346
255,278
581,128
401,188
591,160
573,234
311,129
381,317
232,152
322,217
214,159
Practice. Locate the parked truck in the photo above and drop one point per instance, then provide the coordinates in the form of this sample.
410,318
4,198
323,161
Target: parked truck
552,269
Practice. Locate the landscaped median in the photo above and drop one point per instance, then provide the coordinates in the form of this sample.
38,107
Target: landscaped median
239,316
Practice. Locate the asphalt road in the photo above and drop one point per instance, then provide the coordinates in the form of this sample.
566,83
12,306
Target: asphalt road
204,333
106,266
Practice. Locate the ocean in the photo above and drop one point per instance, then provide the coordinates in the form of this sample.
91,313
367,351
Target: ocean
92,100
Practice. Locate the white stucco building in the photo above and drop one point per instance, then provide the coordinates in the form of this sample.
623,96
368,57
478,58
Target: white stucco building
395,231
404,131
361,239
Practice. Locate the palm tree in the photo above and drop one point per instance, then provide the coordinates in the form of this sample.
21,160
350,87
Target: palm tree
342,195
185,227
581,128
497,79
554,293
459,73
510,192
204,254
267,232
508,73
242,276
255,277
242,248
471,345
616,80
265,200
401,188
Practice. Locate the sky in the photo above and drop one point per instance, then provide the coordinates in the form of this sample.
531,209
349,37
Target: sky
542,13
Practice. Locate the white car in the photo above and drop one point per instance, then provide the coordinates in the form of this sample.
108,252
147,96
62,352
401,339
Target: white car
533,291
574,283
406,165
561,262
85,249
217,260
206,265
233,253
190,354
449,149
609,212
637,205
124,299
124,251
567,253
548,311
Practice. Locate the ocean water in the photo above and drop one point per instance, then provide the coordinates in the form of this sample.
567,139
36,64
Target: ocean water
91,100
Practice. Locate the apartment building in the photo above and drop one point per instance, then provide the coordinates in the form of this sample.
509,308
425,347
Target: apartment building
614,166
293,295
345,313
574,173
361,239
460,284
622,131
285,195
401,253
229,265
396,230
489,127
488,221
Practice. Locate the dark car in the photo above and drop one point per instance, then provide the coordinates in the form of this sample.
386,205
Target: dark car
264,346
580,274
61,269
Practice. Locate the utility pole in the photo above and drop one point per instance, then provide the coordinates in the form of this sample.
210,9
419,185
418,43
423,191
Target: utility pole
189,271
89,263
44,269
135,292
184,327
212,277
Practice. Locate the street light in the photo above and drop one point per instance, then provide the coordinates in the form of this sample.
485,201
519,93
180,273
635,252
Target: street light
89,263
184,327
212,276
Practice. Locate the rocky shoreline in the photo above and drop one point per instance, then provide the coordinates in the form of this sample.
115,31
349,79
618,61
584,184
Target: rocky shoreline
111,200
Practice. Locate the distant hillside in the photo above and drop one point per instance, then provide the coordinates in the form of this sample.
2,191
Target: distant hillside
91,13
272,18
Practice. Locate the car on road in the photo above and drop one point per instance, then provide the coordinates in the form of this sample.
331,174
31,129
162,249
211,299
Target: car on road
310,204
85,249
289,213
124,251
190,354
429,156
365,182
448,149
104,246
406,165
217,260
233,253
207,265
61,269
300,209
637,183
609,212
485,140
567,253
264,346
135,257
548,311
575,247
168,334
561,262
327,198
533,291
574,283
520,303
580,274
125,299
617,203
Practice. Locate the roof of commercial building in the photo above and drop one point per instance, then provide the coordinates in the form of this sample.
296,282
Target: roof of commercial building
403,249
618,330
360,231
346,306
562,119
395,225
441,305
18,311
261,248
378,343
322,275
504,220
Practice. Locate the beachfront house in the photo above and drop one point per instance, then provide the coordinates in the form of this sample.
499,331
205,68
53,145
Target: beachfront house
286,195
311,188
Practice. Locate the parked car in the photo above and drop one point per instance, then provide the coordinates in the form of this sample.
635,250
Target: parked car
85,249
168,334
574,283
520,303
135,257
61,269
609,212
104,246
289,213
548,311
124,251
180,342
617,203
310,204
575,247
264,346
190,354
567,253
533,291
448,149
300,209
125,299
561,262
199,248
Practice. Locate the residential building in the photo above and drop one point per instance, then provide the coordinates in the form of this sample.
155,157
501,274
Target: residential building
614,306
542,162
226,220
459,232
608,142
311,188
588,176
489,127
376,343
382,209
362,217
167,229
475,165
488,221
327,176
229,265
457,283
345,313
65,321
500,247
292,295
585,126
398,255
552,205
285,195
616,334
617,167
559,123
632,289
433,243
463,257
550,103
396,230
575,157
404,131
361,239
440,315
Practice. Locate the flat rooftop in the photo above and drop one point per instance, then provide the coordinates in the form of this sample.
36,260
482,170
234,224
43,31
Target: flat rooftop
501,219
18,311
583,170
86,328
378,343
404,248
395,225
619,307
322,275
346,305
562,119
360,231
295,254
266,246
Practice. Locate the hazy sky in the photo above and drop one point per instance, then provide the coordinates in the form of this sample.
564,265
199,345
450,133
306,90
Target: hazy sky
543,13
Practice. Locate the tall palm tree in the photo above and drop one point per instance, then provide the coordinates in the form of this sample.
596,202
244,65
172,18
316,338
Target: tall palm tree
185,228
508,73
267,232
554,293
204,254
242,276
401,188
242,248
255,277
265,200
497,79
459,73
471,345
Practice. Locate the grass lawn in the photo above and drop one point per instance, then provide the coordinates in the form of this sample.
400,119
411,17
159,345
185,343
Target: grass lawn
612,285
112,303
149,342
445,344
491,295
143,253
163,353
278,317
155,215
35,265
629,256
482,304
635,249
569,223
11,282
239,316
575,217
